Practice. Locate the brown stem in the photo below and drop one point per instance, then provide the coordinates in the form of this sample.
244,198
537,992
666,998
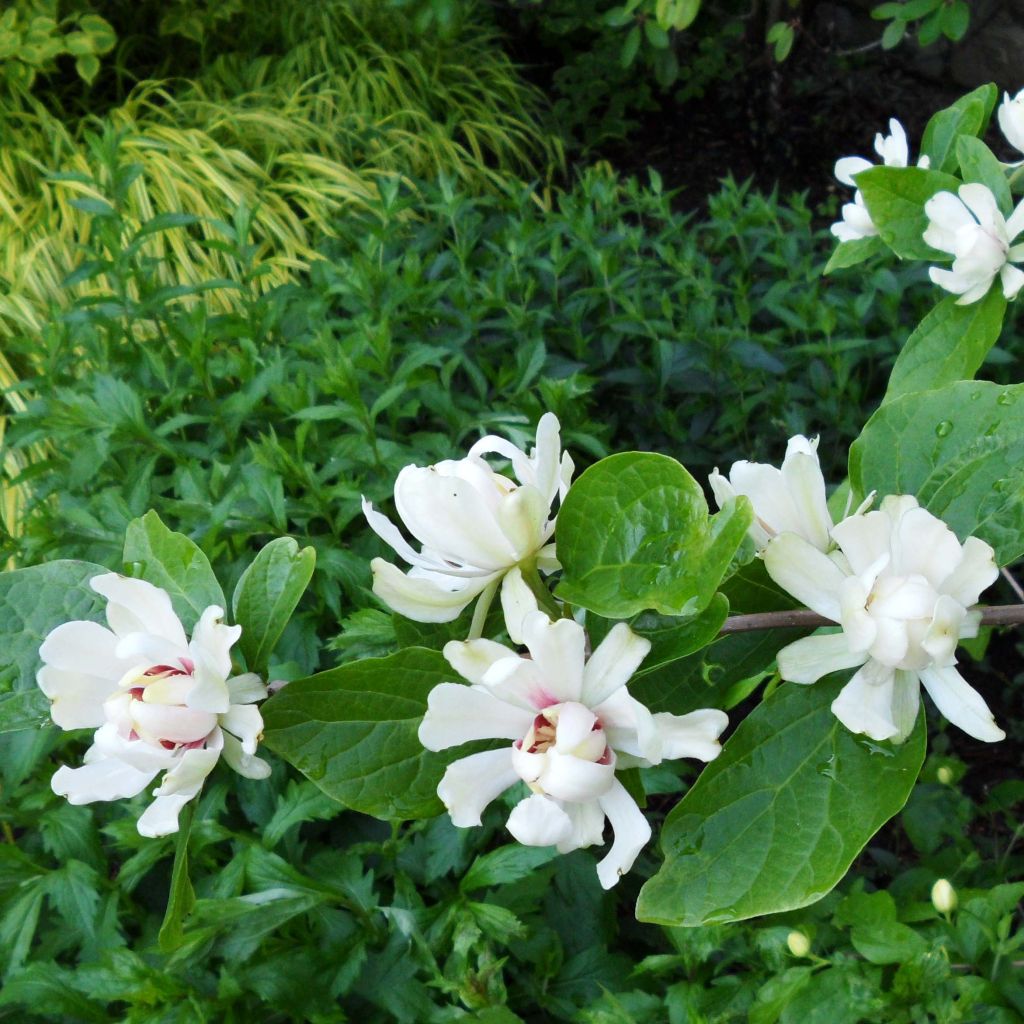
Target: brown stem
803,618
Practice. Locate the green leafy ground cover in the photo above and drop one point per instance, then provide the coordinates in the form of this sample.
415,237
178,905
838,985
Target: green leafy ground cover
434,315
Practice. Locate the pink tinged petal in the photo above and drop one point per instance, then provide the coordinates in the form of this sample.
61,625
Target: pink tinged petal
519,683
246,688
517,601
539,821
448,514
803,571
135,606
77,699
471,783
691,735
247,765
864,704
801,474
579,733
944,631
522,516
85,647
848,166
946,215
807,660
567,777
158,722
246,723
424,599
180,785
974,573
587,826
864,539
107,779
528,767
960,703
458,714
147,649
558,648
143,756
1012,279
906,699
472,658
611,666
632,834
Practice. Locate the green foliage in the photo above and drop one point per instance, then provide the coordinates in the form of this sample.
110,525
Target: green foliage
658,547
775,821
969,115
928,20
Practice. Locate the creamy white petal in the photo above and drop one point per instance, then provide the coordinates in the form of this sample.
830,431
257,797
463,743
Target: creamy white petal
864,704
576,725
807,660
391,535
571,778
458,714
148,649
801,473
77,699
106,779
632,834
944,630
924,545
471,783
135,606
558,648
522,516
1011,119
859,626
180,785
587,826
630,727
975,572
246,688
691,735
156,722
245,722
612,664
247,765
892,641
1015,224
85,647
946,215
864,539
517,601
1012,279
472,658
144,757
424,599
546,461
960,703
539,821
520,683
848,166
906,700
210,648
803,571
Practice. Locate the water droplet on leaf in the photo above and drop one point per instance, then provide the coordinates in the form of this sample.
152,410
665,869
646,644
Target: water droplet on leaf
944,429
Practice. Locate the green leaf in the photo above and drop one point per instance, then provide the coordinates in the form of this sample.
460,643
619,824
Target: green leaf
949,344
266,596
960,451
849,254
352,731
173,562
182,898
679,639
893,34
507,864
887,942
968,116
775,821
978,163
634,534
26,710
630,47
895,198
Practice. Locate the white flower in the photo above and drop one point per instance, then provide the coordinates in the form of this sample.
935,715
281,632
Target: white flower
573,723
893,150
473,524
158,702
972,229
901,585
786,500
1011,119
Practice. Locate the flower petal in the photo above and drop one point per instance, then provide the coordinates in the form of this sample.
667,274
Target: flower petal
906,700
960,703
471,783
558,648
632,834
106,779
246,723
180,785
691,735
864,704
566,777
135,606
457,714
848,166
246,688
210,648
76,698
587,826
85,647
801,473
517,601
522,516
975,572
247,765
472,658
807,660
423,598
539,821
617,657
806,573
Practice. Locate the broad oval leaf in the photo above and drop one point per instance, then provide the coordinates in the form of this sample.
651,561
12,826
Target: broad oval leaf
174,563
352,731
266,596
634,534
968,116
774,823
960,451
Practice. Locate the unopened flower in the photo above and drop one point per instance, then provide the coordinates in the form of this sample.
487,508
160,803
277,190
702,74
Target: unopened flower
901,585
893,150
474,524
798,943
158,701
572,724
972,229
943,897
1011,119
786,500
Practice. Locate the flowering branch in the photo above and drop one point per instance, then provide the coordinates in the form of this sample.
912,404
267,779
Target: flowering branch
997,615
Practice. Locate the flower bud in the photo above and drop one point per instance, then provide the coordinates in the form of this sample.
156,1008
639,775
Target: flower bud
945,775
943,897
798,943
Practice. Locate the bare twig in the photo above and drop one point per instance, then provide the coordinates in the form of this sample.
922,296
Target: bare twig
802,618
1008,576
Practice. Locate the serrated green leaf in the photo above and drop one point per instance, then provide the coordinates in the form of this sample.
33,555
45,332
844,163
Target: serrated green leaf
507,864
775,821
266,596
949,344
634,534
960,451
895,198
353,732
174,563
